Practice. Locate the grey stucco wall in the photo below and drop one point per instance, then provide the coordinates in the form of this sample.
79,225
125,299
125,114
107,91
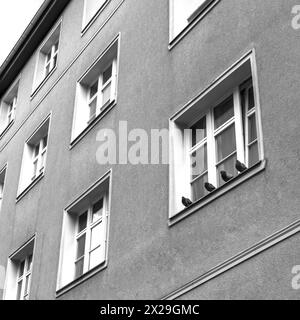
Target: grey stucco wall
147,259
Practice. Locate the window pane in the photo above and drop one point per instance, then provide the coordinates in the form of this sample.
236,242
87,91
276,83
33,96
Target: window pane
82,222
198,131
34,168
97,236
107,74
229,167
223,112
27,285
80,246
56,47
96,257
45,141
36,150
226,143
252,133
97,210
253,154
106,95
19,290
21,270
79,268
54,61
93,109
199,161
198,190
251,98
94,89
29,264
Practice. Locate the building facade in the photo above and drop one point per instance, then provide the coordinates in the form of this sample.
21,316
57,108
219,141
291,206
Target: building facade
150,150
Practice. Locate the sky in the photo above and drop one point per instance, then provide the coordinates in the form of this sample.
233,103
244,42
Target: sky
15,15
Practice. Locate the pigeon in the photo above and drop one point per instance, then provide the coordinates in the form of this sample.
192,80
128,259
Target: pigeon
225,176
209,187
186,202
240,167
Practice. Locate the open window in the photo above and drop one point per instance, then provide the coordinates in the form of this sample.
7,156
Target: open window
84,238
96,90
8,108
19,271
183,13
216,138
34,157
47,57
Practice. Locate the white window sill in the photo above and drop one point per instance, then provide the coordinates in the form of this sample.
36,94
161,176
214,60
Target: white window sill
30,186
81,279
87,25
92,124
173,42
4,131
196,206
38,88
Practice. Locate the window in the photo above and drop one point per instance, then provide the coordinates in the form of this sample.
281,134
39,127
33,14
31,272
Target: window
2,181
8,108
19,271
216,138
84,238
47,57
34,156
96,90
91,8
183,12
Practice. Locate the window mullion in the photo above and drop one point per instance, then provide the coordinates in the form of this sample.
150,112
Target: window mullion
211,150
240,147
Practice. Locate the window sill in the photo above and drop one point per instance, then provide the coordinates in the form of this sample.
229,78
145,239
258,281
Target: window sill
203,11
31,185
38,88
81,279
94,18
92,124
196,206
4,131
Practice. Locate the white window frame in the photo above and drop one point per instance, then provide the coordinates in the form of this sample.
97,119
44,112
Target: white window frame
23,278
30,175
66,278
87,22
13,277
203,9
39,159
180,142
82,120
41,74
9,104
87,232
101,105
51,63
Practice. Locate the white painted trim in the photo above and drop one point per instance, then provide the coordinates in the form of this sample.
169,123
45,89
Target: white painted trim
62,290
22,247
173,41
36,86
236,260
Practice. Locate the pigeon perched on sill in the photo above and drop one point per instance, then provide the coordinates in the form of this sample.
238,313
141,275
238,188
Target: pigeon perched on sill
240,167
225,176
209,187
186,202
